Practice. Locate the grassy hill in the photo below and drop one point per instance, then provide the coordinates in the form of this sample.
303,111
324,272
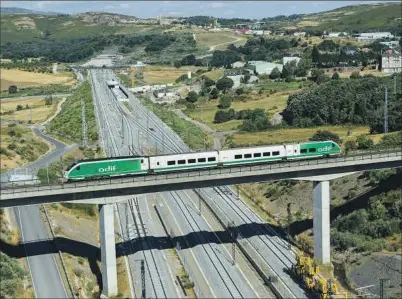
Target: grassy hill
353,18
31,27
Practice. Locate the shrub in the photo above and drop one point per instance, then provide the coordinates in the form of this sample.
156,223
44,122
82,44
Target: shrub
225,102
11,146
324,136
12,89
78,272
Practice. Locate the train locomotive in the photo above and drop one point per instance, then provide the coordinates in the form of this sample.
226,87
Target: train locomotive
148,165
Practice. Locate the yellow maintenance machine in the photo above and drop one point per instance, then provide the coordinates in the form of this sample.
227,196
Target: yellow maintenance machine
308,272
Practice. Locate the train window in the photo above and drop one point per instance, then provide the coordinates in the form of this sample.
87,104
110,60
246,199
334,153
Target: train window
201,160
275,153
157,163
171,163
333,144
247,155
266,154
311,150
78,168
191,161
181,162
238,156
142,160
303,151
257,155
211,159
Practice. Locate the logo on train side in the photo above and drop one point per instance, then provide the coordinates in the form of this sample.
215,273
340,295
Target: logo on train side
107,169
324,149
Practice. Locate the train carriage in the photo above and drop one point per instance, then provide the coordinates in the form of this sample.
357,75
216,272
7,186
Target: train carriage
164,163
251,155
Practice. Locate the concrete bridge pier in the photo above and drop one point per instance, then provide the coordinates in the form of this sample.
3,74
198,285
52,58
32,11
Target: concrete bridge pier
108,250
321,221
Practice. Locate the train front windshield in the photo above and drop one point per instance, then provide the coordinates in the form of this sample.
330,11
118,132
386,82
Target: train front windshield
71,166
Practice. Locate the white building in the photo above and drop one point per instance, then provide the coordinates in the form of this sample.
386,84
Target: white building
263,67
373,36
299,33
238,64
391,62
390,44
289,59
335,34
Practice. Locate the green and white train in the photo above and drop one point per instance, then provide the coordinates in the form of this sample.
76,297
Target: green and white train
143,165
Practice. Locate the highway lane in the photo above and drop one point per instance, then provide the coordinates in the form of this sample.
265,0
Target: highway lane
45,274
46,279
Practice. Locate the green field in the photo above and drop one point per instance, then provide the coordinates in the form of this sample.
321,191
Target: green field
272,104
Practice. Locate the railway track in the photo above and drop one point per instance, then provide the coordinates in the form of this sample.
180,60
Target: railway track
276,254
224,274
152,275
115,134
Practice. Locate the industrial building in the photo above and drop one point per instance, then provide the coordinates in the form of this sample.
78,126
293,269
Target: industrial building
372,36
263,67
391,62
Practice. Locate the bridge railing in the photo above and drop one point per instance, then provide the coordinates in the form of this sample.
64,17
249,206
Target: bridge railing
356,156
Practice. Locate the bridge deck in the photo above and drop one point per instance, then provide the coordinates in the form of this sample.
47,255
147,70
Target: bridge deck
107,188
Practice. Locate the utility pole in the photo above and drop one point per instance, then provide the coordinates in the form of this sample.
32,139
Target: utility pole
143,293
382,290
84,125
394,84
386,112
30,115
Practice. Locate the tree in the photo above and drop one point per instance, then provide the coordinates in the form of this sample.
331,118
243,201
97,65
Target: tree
318,76
225,101
188,60
48,100
192,97
208,81
214,94
246,78
325,136
289,69
19,107
363,142
315,56
335,76
303,67
12,89
224,116
355,75
239,91
224,83
177,64
275,73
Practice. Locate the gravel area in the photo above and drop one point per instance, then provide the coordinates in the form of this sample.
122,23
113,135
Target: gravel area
375,267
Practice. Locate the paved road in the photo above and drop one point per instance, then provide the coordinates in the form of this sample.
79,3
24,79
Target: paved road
44,271
45,274
46,279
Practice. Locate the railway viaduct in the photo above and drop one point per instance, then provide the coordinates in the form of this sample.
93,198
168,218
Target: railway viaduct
108,191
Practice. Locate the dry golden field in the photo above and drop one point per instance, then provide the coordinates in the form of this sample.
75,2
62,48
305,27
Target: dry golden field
164,75
29,79
40,111
294,134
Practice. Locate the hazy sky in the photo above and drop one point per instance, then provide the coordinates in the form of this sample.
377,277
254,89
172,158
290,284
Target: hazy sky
225,9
